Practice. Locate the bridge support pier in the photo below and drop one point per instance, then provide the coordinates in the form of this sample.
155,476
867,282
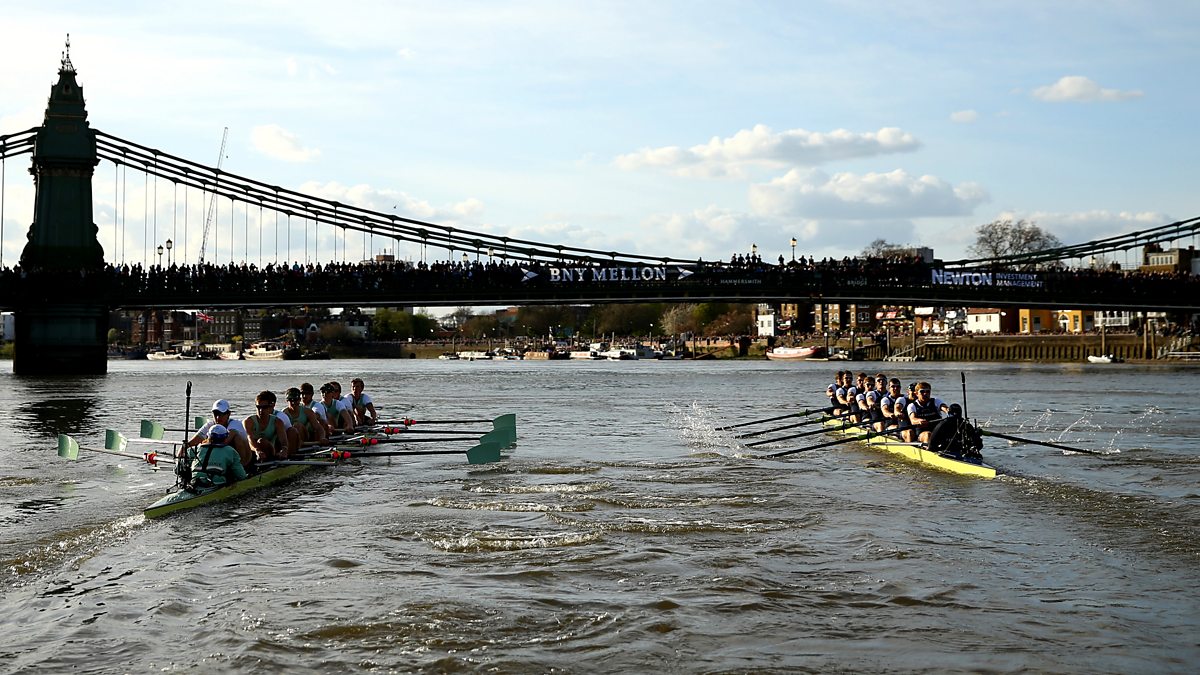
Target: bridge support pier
65,339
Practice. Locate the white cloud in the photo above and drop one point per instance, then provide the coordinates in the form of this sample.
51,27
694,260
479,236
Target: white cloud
763,147
896,194
275,141
964,116
1080,89
395,202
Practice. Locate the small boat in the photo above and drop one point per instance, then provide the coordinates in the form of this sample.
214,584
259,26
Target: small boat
448,356
1105,358
476,356
795,353
264,351
164,356
912,451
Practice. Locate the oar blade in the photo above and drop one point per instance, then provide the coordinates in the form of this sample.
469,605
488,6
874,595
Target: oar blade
114,440
508,421
200,421
67,447
484,453
505,438
152,429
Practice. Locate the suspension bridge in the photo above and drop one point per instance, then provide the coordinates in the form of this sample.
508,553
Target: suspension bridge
231,241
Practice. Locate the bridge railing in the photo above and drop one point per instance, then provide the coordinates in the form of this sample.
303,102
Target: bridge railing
862,282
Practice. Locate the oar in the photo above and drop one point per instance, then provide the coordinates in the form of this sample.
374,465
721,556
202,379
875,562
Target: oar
482,453
503,420
839,441
115,440
155,430
814,432
802,413
791,426
1031,441
382,441
69,449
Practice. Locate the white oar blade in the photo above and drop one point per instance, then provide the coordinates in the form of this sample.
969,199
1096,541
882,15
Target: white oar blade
67,447
114,440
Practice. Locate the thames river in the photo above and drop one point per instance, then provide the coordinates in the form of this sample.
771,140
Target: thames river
623,534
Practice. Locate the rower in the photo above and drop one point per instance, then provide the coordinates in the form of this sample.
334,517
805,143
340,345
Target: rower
238,437
268,436
847,393
956,437
342,401
306,395
887,403
329,410
212,464
924,412
304,420
360,404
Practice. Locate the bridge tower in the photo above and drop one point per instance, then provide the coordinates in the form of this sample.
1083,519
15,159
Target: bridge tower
67,337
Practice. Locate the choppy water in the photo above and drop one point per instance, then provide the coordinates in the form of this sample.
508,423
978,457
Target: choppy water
622,535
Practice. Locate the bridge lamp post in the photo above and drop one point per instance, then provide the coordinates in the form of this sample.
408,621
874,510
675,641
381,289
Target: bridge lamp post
160,252
170,245
793,249
753,250
490,252
466,260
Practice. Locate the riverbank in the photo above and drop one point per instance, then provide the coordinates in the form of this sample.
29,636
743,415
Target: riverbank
998,348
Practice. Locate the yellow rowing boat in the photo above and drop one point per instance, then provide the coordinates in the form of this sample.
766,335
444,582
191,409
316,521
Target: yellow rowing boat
913,451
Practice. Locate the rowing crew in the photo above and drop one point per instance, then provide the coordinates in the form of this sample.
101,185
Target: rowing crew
271,435
915,415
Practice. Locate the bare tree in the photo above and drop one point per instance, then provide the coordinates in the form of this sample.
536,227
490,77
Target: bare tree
881,248
1005,238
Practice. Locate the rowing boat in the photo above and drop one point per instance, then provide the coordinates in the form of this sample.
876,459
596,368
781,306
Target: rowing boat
181,500
912,451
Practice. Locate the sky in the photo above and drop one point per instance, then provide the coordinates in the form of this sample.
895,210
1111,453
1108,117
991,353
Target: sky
683,129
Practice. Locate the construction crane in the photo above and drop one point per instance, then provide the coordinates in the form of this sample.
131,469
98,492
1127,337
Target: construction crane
212,203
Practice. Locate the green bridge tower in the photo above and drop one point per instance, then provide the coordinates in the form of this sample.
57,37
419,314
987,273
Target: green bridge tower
67,336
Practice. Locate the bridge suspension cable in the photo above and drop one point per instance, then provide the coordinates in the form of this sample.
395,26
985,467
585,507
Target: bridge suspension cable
212,204
11,145
1122,242
349,217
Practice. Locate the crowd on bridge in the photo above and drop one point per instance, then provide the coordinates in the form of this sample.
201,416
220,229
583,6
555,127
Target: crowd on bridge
297,283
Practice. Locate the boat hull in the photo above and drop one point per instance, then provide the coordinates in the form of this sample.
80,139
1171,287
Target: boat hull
912,451
182,501
793,353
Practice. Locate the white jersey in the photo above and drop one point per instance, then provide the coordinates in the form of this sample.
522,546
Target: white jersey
234,425
287,421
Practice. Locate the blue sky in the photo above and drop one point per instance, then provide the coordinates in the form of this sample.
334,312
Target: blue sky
689,129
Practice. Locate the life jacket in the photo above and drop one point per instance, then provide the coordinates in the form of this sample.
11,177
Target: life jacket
194,480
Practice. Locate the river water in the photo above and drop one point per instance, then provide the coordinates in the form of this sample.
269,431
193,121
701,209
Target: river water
622,534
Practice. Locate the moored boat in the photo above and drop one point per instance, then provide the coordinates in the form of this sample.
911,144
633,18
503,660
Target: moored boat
1104,358
164,356
912,451
795,353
